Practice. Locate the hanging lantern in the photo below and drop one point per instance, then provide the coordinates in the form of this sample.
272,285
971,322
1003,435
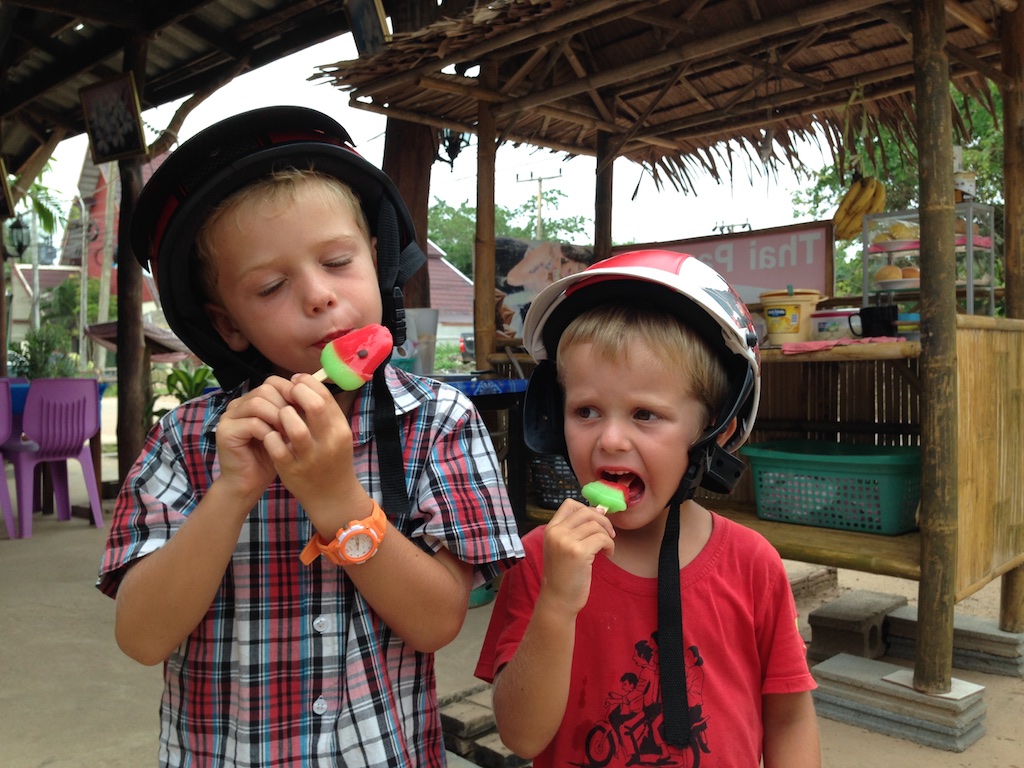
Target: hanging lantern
19,236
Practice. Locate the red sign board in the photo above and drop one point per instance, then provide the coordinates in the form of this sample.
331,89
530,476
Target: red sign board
799,255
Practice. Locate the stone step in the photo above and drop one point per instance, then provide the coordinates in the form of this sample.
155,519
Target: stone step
978,644
879,696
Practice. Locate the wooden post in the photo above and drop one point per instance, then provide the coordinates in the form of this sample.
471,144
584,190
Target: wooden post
408,157
933,662
483,251
1013,160
132,371
603,197
1011,604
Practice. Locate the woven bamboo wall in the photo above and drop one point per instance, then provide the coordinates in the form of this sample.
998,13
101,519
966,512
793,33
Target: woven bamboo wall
873,402
990,529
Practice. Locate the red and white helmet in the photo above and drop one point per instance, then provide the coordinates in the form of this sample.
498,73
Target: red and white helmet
677,283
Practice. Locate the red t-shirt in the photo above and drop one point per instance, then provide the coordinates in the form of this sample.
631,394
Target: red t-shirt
741,642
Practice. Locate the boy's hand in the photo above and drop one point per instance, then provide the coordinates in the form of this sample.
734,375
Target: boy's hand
572,539
241,432
312,452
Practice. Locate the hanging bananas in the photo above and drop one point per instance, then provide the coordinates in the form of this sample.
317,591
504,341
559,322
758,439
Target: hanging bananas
865,195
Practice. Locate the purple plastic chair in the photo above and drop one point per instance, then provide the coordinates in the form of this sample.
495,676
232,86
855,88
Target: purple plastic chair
6,420
60,416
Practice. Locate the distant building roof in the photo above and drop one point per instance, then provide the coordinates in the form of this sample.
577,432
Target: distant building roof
451,292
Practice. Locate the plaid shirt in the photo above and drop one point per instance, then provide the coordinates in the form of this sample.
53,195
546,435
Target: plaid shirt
290,666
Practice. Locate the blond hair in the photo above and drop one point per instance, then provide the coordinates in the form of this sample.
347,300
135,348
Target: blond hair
612,329
280,187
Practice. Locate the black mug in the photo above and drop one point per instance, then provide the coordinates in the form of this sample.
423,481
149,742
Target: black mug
877,321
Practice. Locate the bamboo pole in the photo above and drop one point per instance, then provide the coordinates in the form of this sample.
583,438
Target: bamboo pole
1011,605
483,252
603,197
933,661
1013,162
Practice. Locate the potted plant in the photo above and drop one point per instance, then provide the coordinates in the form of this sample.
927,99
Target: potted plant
44,353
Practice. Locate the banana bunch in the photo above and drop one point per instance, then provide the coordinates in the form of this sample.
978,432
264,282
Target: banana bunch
865,195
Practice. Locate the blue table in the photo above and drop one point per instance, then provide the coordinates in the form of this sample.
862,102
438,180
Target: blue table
18,394
479,387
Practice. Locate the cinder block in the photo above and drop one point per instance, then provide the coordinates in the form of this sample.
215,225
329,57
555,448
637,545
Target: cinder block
485,697
807,579
455,760
853,624
491,753
465,719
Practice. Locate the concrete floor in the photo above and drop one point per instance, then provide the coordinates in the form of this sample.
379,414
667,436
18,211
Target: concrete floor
70,699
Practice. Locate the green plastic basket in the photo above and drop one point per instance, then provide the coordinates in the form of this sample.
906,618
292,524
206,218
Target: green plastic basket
867,488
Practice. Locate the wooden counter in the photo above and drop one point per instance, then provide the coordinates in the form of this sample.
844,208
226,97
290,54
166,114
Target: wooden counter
870,393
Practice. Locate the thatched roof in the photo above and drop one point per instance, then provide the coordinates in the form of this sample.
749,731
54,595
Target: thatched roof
671,83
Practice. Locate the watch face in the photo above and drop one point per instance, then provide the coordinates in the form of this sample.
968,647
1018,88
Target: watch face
358,545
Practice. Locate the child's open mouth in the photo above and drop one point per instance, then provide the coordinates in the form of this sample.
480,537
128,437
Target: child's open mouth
634,485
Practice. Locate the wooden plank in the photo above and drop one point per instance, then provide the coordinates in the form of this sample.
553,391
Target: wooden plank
885,555
893,350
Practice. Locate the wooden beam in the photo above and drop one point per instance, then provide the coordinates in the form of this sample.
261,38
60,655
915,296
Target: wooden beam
819,13
777,69
528,66
606,156
979,66
580,70
547,30
117,13
416,117
443,84
756,107
29,171
971,20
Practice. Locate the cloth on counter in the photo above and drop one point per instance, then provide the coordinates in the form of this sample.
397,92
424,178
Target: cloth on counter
797,347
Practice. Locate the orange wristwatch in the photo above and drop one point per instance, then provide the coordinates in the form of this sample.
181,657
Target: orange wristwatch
356,543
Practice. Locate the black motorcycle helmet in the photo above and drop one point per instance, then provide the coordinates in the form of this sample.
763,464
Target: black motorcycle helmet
222,159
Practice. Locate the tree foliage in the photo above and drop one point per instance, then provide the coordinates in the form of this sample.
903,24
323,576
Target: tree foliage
894,162
454,229
61,306
40,200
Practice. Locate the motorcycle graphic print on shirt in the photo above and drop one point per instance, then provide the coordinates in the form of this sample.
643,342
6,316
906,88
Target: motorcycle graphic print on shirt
632,734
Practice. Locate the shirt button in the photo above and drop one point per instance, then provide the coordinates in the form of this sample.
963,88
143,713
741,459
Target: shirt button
321,624
320,706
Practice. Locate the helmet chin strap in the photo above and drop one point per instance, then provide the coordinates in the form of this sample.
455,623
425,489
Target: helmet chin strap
715,468
672,665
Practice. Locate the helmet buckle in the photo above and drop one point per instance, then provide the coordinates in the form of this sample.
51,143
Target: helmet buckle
394,307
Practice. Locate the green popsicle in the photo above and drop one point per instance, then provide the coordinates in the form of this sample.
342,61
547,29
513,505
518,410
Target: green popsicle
606,496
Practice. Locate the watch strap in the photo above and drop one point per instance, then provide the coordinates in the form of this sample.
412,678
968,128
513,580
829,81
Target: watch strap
377,522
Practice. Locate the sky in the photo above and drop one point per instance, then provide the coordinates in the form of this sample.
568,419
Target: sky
649,216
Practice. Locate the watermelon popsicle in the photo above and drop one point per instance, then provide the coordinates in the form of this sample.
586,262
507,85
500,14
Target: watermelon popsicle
606,496
350,360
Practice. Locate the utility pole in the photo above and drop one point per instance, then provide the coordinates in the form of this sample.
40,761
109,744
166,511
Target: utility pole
540,198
